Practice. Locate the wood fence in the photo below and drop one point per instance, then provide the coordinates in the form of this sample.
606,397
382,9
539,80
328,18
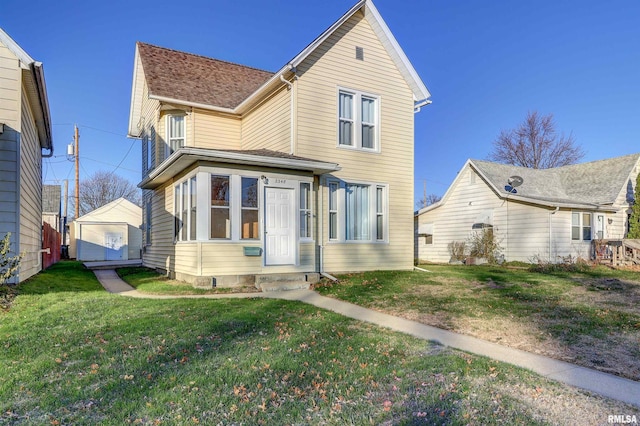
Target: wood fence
52,240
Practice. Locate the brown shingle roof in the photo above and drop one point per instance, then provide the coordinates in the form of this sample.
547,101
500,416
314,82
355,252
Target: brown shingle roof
193,78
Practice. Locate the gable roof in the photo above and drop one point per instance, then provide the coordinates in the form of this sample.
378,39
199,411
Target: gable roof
36,90
112,211
223,86
593,185
171,74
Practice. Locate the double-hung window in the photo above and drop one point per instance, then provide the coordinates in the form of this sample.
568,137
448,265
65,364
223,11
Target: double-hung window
357,212
220,217
581,226
185,204
358,120
175,133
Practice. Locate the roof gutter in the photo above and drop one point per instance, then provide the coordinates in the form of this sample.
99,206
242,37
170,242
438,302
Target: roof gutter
418,105
36,68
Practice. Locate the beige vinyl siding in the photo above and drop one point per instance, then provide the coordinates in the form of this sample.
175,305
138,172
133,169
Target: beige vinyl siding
161,252
268,125
333,66
9,141
149,118
214,130
30,194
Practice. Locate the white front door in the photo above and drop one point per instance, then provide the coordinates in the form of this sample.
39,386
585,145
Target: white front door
113,245
280,227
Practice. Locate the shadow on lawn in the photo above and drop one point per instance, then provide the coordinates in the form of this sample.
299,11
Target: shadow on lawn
64,276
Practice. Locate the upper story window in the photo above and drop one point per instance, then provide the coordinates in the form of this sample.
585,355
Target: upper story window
358,123
580,226
175,133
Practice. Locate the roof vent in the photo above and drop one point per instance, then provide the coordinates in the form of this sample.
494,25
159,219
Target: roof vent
360,53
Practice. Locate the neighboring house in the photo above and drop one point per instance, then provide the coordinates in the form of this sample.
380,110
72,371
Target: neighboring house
110,232
308,169
553,214
51,206
25,130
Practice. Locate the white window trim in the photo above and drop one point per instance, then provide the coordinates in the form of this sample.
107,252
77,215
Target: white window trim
357,120
581,225
167,145
342,212
178,209
308,210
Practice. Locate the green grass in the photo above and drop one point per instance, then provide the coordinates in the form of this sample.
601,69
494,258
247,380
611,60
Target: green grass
147,280
564,307
73,354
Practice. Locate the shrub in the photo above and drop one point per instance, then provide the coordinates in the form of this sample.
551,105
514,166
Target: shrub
483,243
8,264
457,250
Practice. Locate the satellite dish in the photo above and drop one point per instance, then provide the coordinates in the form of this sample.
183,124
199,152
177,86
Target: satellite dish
510,189
515,181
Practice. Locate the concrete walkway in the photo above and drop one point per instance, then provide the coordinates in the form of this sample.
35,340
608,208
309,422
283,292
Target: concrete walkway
594,381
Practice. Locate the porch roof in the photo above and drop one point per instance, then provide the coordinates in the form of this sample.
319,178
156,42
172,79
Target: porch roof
186,157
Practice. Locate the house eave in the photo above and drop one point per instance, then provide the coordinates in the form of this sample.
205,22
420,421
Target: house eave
563,204
186,157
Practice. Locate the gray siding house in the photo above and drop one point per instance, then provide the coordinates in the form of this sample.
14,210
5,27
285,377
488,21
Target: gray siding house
25,130
536,214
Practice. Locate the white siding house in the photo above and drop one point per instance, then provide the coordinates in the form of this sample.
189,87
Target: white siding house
25,130
111,232
553,214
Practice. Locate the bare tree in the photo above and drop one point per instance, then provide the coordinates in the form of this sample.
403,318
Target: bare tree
104,187
427,200
536,144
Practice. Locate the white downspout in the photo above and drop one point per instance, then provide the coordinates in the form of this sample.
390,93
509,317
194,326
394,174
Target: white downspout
550,233
291,108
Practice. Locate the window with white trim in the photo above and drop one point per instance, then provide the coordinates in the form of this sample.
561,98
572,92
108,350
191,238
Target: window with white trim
147,227
357,212
358,120
333,210
249,213
581,226
305,210
185,203
220,211
175,133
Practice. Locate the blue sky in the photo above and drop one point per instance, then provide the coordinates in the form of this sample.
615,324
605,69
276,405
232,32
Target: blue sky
486,64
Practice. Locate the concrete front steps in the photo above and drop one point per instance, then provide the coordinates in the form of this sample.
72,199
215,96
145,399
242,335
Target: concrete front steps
283,282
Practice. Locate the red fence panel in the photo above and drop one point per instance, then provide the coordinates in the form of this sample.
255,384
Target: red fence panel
52,240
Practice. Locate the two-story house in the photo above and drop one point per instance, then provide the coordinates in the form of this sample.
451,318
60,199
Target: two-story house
305,170
25,130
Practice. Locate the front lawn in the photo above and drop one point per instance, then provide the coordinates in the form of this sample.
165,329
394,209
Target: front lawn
591,317
74,354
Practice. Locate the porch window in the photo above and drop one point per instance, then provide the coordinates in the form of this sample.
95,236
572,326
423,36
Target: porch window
185,210
580,226
305,210
249,208
333,211
220,217
357,212
175,127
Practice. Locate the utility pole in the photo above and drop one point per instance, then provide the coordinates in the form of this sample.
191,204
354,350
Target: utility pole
66,202
76,138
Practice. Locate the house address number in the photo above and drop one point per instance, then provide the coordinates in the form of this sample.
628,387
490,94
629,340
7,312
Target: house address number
280,181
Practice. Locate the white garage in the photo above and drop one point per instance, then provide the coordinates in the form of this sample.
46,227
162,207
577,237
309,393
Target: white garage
111,232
